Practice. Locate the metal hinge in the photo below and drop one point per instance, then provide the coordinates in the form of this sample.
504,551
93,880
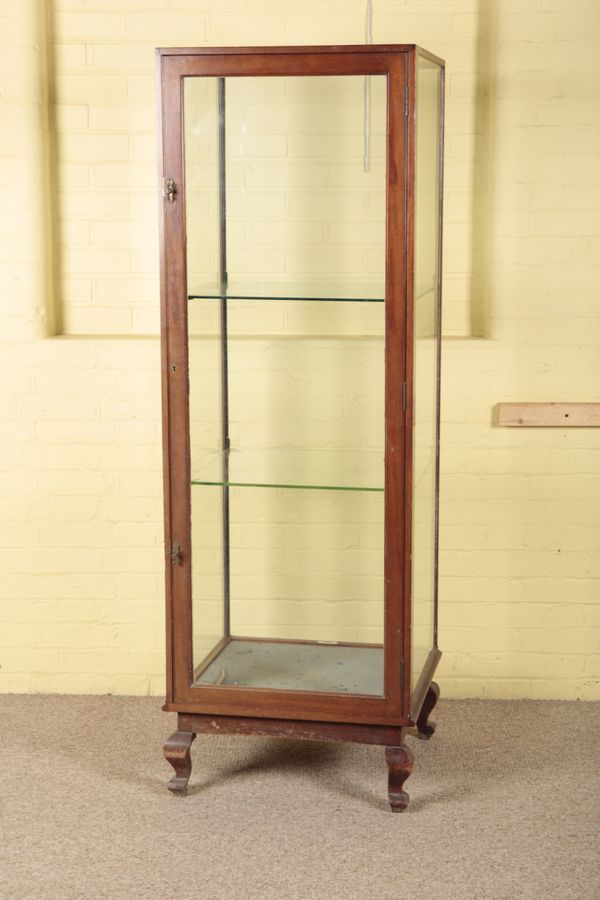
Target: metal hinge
406,100
176,553
404,397
169,190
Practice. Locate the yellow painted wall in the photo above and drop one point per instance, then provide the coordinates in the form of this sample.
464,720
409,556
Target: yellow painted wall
81,586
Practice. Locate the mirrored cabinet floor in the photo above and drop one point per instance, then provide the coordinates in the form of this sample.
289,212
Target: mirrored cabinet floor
301,307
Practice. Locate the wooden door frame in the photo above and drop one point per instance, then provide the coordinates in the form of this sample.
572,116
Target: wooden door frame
396,62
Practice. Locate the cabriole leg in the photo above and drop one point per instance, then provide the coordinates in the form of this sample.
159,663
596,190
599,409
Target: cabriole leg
400,762
424,726
177,753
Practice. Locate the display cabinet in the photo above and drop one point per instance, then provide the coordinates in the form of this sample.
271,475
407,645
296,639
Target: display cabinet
301,244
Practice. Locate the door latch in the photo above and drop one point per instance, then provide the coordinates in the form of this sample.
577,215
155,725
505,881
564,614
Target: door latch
170,190
176,553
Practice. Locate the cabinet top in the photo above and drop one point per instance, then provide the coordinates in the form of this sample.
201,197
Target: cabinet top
333,48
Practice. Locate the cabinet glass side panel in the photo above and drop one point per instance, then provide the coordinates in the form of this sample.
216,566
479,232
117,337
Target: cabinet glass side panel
426,299
285,215
205,368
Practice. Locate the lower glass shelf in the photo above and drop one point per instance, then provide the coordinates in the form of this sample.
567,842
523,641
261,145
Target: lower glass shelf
295,666
298,487
352,291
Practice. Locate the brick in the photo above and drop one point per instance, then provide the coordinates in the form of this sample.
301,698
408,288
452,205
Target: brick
90,88
141,87
128,233
132,509
251,25
125,58
11,683
124,661
129,117
50,407
146,320
97,320
93,147
143,146
144,261
69,57
73,24
75,432
68,682
90,204
165,27
82,260
124,175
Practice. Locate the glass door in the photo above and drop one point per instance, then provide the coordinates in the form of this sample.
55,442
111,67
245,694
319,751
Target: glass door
285,189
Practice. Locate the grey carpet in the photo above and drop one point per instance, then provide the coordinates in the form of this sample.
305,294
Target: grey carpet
504,804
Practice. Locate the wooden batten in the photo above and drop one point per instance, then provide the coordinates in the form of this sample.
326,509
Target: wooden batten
549,415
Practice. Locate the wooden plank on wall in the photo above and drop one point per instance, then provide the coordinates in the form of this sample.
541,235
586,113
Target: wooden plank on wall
548,415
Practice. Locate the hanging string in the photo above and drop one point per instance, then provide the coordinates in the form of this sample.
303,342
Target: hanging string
367,99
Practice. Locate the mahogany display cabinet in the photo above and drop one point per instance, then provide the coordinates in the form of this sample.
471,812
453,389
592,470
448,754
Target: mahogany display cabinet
301,244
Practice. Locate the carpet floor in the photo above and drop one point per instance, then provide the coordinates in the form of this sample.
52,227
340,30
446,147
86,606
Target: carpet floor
505,804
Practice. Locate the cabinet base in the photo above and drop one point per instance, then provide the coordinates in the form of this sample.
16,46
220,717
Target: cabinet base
398,757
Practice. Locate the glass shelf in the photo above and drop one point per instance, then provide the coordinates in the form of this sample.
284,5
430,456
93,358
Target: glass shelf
357,292
335,469
294,487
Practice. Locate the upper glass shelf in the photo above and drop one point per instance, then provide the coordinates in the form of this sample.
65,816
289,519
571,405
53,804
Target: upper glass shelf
289,487
355,291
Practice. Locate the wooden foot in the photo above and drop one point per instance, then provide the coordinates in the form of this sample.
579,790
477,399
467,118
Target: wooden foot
177,752
400,762
424,726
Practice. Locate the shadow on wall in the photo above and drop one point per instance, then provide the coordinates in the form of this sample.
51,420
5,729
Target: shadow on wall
51,177
482,198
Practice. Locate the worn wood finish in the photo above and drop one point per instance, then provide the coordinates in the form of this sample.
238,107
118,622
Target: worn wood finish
549,415
308,731
177,752
424,726
282,63
400,764
279,704
308,715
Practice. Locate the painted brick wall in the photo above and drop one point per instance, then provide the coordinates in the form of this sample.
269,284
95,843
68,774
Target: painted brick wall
81,589
102,103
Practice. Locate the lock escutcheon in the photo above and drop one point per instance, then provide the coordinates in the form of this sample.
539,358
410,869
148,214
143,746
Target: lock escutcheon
170,190
176,553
